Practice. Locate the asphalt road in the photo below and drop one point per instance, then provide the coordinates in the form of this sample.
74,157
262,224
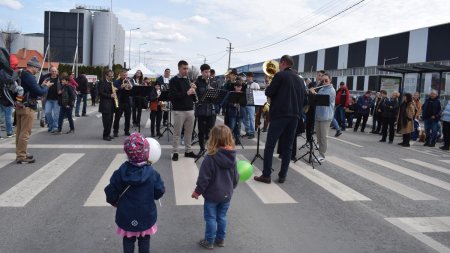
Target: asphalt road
366,197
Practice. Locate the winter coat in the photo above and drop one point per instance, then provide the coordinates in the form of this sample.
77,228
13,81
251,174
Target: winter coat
203,109
405,118
82,84
179,87
431,107
218,176
67,97
106,101
364,101
446,113
326,113
389,108
287,94
343,97
136,209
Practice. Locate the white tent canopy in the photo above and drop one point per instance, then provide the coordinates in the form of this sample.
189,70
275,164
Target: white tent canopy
145,71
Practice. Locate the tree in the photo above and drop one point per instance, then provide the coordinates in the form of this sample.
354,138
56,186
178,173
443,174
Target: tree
193,73
9,35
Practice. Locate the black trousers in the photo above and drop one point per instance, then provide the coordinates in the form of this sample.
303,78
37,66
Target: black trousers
107,119
143,244
124,108
204,125
446,133
358,121
377,122
406,138
155,119
388,122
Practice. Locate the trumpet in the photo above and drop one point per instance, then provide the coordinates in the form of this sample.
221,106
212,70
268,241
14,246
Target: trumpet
126,84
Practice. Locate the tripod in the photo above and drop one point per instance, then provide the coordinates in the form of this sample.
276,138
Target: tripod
168,126
257,155
194,133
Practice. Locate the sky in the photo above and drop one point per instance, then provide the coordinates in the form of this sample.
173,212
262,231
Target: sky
188,29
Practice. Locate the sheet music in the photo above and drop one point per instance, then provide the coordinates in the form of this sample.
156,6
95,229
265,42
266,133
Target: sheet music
259,97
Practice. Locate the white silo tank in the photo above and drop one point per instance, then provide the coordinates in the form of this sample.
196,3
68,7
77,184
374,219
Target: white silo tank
101,39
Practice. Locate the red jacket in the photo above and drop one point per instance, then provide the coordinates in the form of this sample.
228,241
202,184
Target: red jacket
338,96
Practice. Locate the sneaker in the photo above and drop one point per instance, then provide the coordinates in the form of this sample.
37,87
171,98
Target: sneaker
190,155
29,156
26,160
432,145
77,115
390,142
252,136
205,244
219,243
406,145
426,144
320,158
84,115
338,133
10,135
175,157
263,179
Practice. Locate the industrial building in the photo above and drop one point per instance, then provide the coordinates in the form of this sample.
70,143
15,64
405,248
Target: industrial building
360,64
95,31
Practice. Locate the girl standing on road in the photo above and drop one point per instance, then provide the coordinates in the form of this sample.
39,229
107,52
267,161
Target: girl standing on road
216,180
133,189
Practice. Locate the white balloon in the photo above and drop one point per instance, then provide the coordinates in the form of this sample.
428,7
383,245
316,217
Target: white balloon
155,150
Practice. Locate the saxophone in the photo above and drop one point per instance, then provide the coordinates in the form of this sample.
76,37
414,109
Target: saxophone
116,101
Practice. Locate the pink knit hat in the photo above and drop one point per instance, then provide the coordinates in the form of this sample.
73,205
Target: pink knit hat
137,148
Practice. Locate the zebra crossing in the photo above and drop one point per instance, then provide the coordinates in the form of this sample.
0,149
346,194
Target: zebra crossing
185,172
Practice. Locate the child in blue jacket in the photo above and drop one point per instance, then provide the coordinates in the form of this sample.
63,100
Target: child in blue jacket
133,189
216,181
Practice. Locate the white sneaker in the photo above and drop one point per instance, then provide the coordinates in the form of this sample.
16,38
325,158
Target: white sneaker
320,158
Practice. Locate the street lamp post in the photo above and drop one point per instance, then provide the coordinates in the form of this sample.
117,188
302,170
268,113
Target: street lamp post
204,58
145,57
229,49
129,46
140,51
389,59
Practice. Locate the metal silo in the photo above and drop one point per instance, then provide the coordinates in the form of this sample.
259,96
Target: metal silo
101,39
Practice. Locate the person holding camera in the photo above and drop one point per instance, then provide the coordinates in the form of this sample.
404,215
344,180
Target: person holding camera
25,114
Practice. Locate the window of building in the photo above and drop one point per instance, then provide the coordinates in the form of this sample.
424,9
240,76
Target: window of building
360,83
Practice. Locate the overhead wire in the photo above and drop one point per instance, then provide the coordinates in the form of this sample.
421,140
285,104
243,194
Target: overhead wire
303,31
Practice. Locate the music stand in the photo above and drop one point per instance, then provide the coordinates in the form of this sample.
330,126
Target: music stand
313,100
257,102
164,96
140,92
211,96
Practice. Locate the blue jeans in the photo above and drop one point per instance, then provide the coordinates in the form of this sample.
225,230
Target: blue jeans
339,115
283,129
431,129
249,120
335,124
8,118
52,114
216,220
77,108
65,112
234,123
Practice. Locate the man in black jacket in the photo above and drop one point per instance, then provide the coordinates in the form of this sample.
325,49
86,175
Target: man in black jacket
107,104
287,93
123,92
82,94
182,95
163,82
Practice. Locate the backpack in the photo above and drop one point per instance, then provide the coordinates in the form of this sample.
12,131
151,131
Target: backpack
9,78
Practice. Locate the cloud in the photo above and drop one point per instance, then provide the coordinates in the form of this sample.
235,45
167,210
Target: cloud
161,51
12,4
181,1
199,20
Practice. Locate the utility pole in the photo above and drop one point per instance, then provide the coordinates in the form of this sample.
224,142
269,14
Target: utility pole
229,49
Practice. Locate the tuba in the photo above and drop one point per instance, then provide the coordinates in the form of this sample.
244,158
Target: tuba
270,68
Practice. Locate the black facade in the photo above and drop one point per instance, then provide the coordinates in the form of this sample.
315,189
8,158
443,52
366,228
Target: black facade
331,58
438,43
311,61
357,54
394,46
63,35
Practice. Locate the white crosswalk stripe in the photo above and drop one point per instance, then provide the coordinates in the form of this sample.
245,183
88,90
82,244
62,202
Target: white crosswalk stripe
429,166
268,193
97,197
331,185
6,159
381,180
23,192
445,161
185,173
417,226
411,173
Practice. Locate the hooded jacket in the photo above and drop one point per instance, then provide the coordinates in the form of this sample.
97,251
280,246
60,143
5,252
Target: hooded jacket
136,209
431,107
218,176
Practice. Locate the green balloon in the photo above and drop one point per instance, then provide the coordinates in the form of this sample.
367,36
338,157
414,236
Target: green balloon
245,170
